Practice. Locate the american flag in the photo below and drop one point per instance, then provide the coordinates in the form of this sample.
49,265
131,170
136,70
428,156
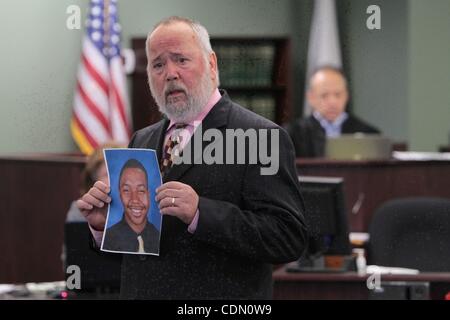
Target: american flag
101,110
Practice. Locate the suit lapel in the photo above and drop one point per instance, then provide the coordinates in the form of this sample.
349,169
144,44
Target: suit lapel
216,118
318,137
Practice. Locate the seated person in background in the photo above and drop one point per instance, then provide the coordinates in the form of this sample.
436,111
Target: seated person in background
328,95
95,170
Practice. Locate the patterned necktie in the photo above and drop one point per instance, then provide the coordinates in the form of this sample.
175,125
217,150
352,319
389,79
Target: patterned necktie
169,151
141,244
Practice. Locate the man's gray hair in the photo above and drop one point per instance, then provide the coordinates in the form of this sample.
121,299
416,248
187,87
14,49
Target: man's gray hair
199,30
327,68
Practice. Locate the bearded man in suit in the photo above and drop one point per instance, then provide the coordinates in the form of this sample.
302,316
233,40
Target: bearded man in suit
224,224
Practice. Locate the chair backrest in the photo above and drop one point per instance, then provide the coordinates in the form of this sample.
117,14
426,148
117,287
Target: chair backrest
412,233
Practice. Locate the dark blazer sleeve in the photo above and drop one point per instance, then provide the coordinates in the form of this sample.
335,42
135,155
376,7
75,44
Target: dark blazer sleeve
110,243
268,226
308,137
297,138
354,124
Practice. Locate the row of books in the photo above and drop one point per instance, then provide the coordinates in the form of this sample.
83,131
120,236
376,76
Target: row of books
262,104
245,64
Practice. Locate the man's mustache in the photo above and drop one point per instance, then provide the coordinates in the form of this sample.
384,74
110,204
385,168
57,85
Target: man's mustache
174,87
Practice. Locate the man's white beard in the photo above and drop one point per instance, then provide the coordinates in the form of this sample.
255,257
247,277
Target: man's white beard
188,110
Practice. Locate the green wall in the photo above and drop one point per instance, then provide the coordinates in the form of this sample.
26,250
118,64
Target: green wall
230,17
399,74
429,68
38,63
39,57
377,64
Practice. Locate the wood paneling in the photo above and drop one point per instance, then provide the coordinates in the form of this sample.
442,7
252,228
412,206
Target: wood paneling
368,184
36,193
144,109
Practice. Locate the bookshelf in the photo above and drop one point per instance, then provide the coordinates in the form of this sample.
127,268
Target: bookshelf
256,73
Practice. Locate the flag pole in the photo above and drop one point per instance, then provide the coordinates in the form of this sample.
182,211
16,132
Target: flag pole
106,26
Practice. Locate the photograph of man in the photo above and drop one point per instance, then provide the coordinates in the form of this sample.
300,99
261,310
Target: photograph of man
134,233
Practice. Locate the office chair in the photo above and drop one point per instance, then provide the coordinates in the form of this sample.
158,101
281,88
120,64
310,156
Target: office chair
412,233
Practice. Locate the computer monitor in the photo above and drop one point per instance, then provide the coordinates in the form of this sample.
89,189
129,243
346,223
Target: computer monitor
358,146
100,271
326,218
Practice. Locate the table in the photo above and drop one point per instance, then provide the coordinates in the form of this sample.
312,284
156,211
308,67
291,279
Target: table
347,285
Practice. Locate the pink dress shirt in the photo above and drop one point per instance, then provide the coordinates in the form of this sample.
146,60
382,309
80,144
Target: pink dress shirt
187,134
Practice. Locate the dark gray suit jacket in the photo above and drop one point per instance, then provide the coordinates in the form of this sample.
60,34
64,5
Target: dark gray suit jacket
247,222
120,237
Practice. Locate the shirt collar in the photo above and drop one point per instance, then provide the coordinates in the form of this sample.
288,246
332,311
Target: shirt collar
336,123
